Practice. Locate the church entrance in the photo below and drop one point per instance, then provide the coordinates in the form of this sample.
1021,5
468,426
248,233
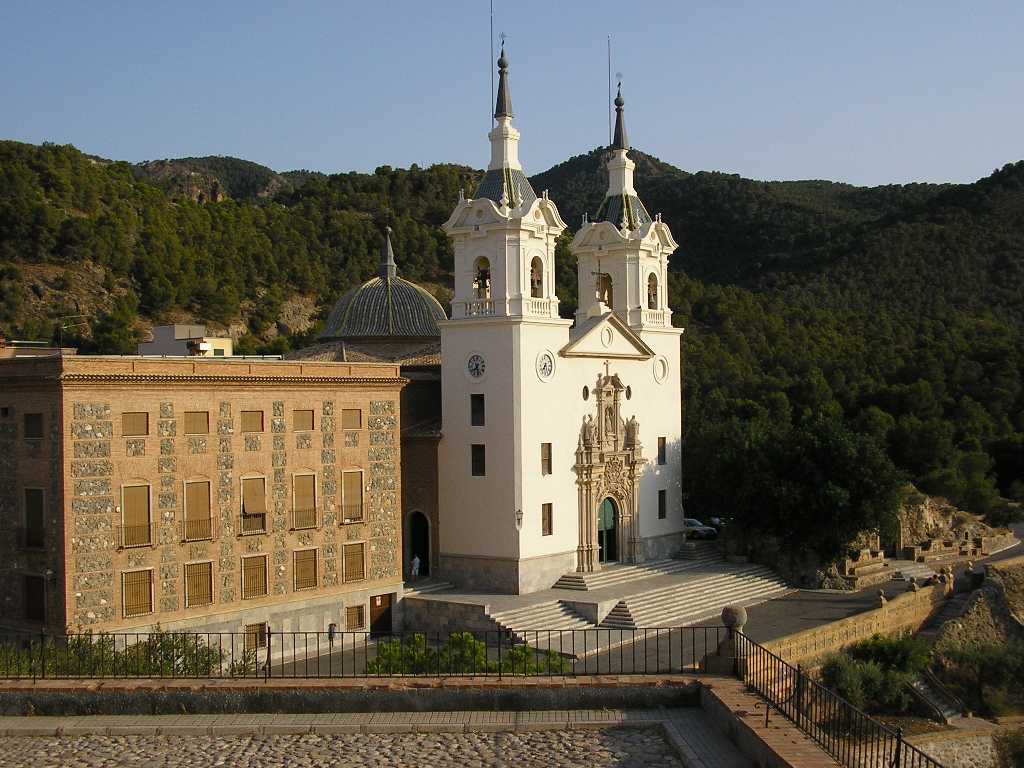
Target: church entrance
607,532
419,541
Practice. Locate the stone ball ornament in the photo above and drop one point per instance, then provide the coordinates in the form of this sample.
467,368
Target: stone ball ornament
734,617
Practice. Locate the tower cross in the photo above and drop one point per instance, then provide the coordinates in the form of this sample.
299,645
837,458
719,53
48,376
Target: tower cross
607,369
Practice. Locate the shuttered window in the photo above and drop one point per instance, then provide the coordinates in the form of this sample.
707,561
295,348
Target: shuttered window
354,562
34,598
662,505
33,426
545,458
303,420
137,592
198,523
304,513
661,450
35,521
351,418
197,422
354,618
477,413
198,584
135,527
252,421
255,636
305,568
352,496
134,424
254,576
546,523
478,460
254,505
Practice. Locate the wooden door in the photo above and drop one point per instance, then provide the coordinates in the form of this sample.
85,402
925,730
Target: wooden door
380,614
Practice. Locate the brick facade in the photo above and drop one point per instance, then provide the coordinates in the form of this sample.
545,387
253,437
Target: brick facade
84,462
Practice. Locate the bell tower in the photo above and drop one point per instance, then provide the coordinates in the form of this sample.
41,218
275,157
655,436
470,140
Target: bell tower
622,253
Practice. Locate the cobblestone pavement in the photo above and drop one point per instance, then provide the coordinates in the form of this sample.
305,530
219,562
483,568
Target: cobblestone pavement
618,747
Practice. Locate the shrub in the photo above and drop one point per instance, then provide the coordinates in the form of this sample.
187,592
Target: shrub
1009,749
461,654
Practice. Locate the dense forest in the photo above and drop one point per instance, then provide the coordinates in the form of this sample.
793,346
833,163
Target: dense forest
840,340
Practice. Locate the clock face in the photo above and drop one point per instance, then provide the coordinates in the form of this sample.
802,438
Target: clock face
545,365
476,366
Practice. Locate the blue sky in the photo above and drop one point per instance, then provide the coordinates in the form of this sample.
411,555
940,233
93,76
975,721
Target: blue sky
866,92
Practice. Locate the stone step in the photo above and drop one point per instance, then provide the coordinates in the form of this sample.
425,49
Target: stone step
617,575
542,616
713,608
425,587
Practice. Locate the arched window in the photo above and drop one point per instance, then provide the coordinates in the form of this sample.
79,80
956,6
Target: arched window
604,289
536,278
482,279
652,292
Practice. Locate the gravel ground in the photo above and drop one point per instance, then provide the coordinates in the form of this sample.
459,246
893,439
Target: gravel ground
620,747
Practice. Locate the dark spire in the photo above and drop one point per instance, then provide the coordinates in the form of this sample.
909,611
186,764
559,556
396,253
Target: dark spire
503,106
621,141
387,267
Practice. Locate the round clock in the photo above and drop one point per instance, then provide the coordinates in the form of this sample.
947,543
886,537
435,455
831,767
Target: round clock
476,366
545,365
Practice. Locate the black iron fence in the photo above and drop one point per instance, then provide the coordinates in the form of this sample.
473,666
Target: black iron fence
852,737
273,654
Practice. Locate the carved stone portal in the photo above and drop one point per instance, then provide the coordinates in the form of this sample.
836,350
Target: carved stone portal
609,459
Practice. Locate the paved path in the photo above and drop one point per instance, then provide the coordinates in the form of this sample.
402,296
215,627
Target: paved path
592,738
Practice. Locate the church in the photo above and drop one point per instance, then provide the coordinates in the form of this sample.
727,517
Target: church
535,449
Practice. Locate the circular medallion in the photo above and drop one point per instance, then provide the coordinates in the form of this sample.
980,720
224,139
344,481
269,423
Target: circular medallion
660,369
586,393
545,365
476,366
607,336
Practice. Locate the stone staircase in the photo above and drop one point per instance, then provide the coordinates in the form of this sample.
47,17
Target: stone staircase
617,575
700,597
904,570
943,704
952,609
531,622
425,587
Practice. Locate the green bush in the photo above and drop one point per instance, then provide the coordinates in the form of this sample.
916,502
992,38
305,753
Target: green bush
874,674
1009,749
461,654
987,678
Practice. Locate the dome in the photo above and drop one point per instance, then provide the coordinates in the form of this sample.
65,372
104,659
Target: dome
385,306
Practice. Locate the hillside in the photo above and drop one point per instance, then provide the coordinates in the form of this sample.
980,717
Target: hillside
840,339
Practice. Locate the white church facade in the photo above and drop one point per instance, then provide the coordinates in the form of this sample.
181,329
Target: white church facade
559,446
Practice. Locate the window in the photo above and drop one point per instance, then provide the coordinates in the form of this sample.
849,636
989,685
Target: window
218,353
354,618
652,292
304,509
662,505
197,422
476,410
661,450
305,568
254,576
33,426
545,519
482,279
136,530
303,421
137,593
35,520
604,289
479,460
254,506
35,598
536,278
198,523
545,458
354,562
351,418
5,412
352,496
135,424
255,636
198,584
252,421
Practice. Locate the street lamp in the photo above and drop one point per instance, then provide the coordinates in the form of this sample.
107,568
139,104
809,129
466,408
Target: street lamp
519,519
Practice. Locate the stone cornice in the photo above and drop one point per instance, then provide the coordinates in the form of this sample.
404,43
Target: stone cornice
161,378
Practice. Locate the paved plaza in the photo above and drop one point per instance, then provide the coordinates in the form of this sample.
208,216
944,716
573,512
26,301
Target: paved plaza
592,738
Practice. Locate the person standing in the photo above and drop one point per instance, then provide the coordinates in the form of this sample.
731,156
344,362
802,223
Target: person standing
414,569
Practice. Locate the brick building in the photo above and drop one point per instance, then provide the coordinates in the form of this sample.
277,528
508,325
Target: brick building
198,493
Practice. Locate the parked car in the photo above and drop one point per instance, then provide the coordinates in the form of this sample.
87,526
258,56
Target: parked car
695,529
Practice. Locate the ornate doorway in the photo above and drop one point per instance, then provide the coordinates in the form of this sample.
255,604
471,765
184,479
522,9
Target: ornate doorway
607,532
419,541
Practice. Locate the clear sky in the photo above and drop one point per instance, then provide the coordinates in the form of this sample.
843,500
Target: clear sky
867,92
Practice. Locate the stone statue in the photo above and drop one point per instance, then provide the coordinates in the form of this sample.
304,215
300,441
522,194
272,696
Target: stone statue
589,431
632,431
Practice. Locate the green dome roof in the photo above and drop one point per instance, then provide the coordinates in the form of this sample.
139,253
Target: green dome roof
385,306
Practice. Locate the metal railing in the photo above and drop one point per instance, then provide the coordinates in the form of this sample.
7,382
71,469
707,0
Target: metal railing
352,513
493,653
250,525
201,529
852,737
134,536
304,519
